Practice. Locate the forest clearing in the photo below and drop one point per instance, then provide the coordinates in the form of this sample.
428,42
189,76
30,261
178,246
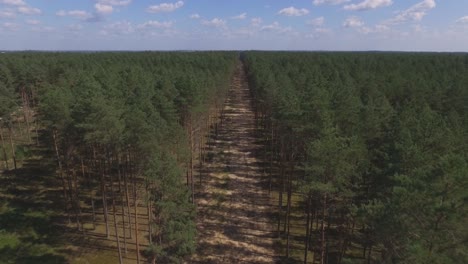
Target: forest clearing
235,221
233,157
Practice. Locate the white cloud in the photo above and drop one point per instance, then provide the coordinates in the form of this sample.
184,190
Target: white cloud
80,14
353,22
42,29
414,13
316,22
165,7
319,33
277,28
463,20
118,28
75,27
240,16
330,2
61,13
7,14
195,16
292,11
33,22
115,2
13,2
273,26
28,10
256,21
155,24
368,4
381,28
10,26
21,7
357,24
103,8
215,22
323,30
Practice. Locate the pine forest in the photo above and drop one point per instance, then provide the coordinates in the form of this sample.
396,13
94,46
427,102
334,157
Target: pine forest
234,157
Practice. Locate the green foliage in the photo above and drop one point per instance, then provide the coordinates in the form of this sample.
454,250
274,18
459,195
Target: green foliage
383,139
24,237
176,229
7,101
135,107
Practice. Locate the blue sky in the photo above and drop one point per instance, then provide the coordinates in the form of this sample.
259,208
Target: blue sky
408,25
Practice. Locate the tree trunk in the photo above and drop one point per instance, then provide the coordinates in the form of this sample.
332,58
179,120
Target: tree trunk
5,158
270,174
104,201
369,255
24,99
123,207
192,183
13,154
62,178
36,130
77,202
149,209
115,218
280,201
322,227
71,191
127,196
288,211
135,203
306,242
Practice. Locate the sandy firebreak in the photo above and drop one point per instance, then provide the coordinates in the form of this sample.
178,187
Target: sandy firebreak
234,208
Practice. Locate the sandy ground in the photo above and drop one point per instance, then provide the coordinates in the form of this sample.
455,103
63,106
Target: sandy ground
234,209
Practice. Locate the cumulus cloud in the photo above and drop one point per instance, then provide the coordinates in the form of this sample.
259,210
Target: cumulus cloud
118,28
316,22
195,16
256,21
368,4
43,29
357,24
323,30
277,28
13,2
22,7
155,24
115,2
80,14
215,22
10,26
240,16
273,26
463,20
353,22
103,8
28,10
414,13
7,14
75,27
292,11
33,22
165,7
330,2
